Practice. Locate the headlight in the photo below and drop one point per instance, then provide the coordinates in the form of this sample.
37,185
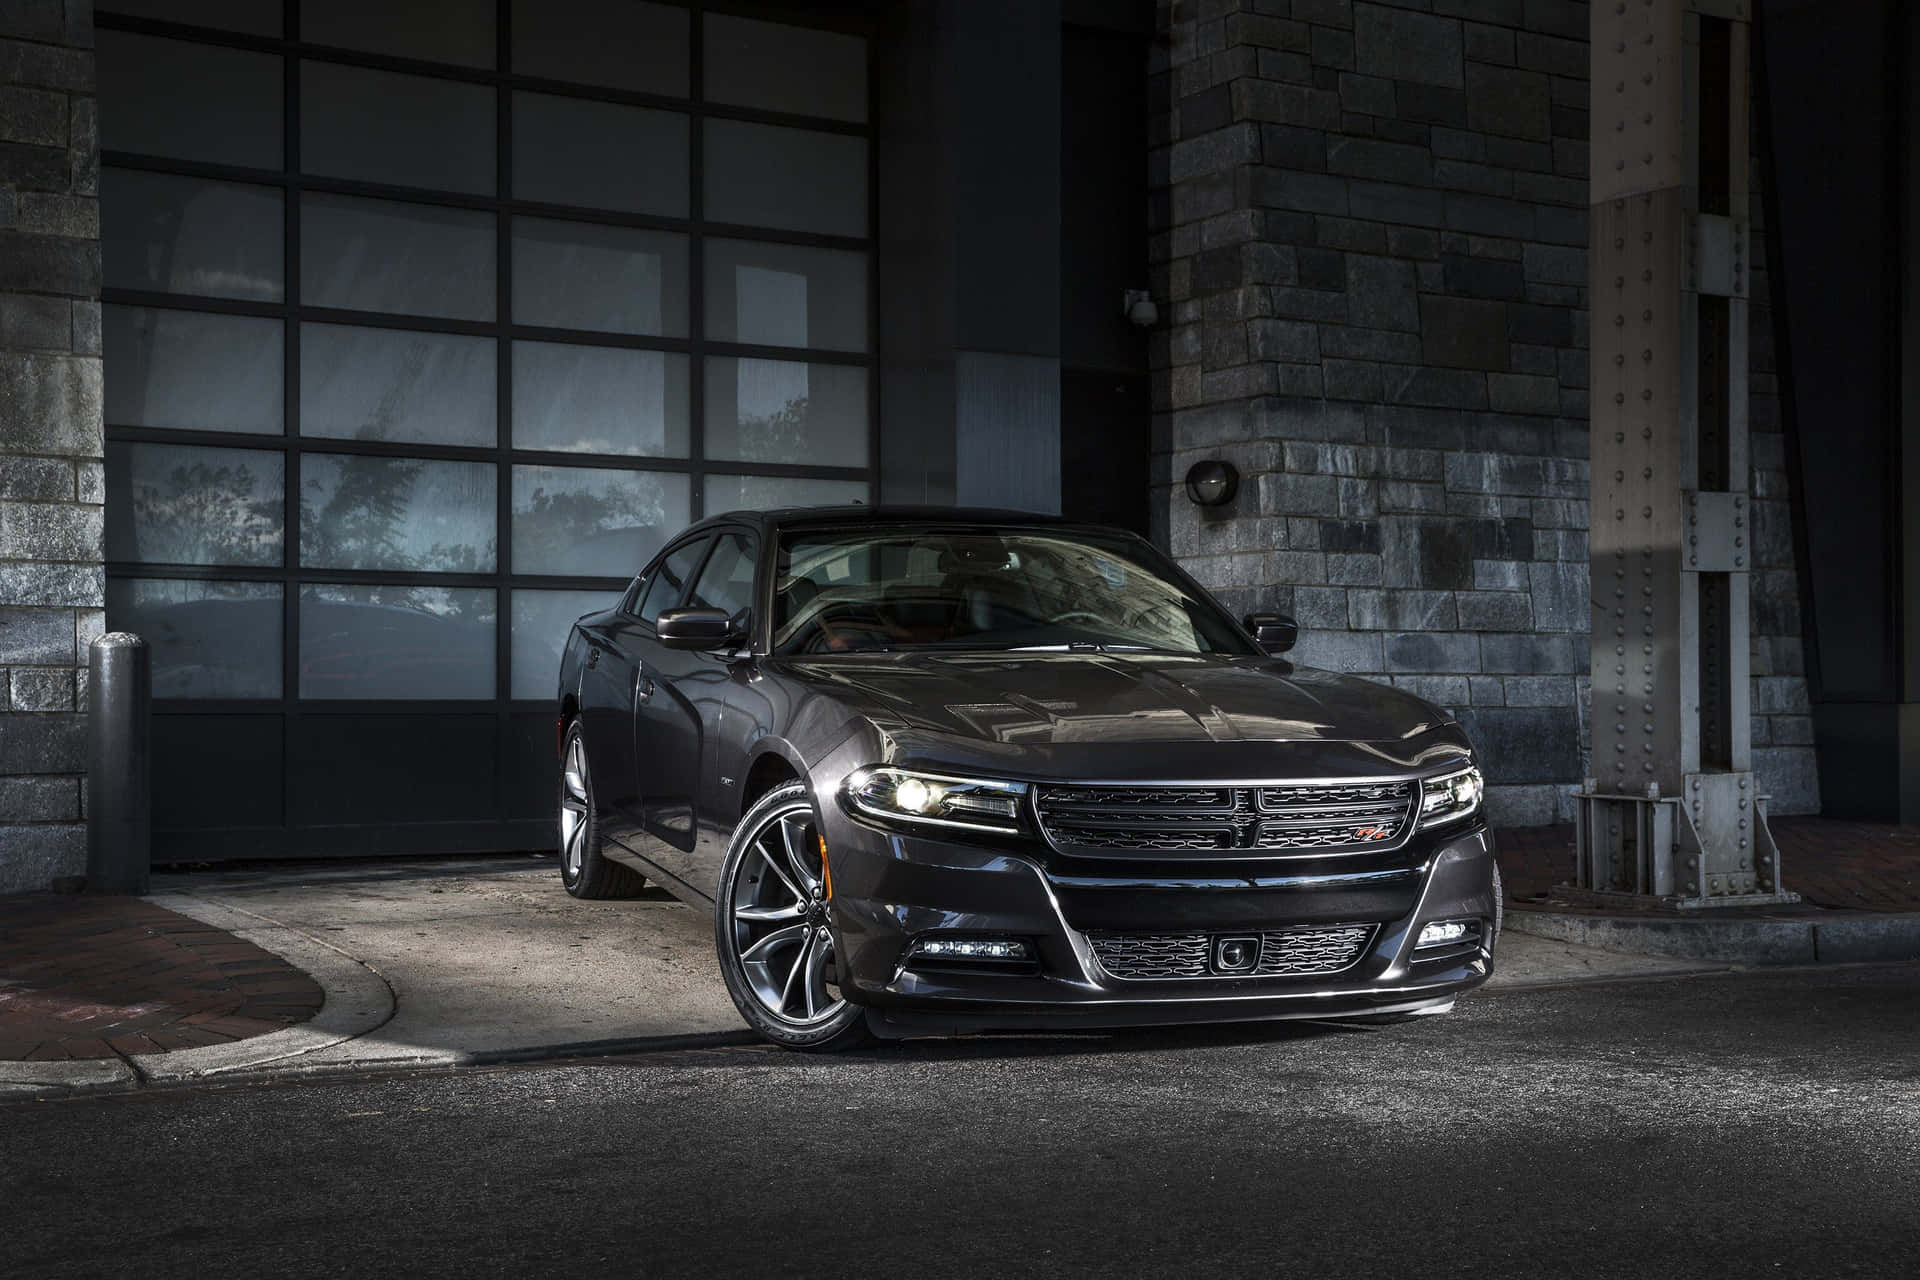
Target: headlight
902,795
1450,796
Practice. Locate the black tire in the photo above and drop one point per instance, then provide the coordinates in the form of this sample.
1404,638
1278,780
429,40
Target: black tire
585,870
745,883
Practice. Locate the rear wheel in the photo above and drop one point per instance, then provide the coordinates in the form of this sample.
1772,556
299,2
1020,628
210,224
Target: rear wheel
771,929
584,869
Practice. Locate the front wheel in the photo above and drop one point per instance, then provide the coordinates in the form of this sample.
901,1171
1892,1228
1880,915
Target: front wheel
771,929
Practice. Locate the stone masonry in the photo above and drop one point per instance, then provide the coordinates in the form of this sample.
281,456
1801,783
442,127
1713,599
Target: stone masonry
1370,237
51,577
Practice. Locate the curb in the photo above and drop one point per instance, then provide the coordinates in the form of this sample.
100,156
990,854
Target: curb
357,1001
1838,938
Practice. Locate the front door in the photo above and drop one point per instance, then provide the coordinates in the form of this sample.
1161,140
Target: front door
681,721
658,725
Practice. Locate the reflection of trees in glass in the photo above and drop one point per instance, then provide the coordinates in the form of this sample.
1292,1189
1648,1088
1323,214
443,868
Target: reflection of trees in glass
357,515
553,525
358,523
780,436
208,513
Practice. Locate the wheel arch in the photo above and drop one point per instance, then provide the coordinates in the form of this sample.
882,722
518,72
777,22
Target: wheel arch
770,769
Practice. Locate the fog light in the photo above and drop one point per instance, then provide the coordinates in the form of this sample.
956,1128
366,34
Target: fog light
1004,949
1441,932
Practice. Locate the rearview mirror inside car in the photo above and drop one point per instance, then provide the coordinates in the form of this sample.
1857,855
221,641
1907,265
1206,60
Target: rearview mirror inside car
1273,632
694,628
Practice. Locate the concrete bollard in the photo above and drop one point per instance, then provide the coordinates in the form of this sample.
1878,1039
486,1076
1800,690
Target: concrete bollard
119,764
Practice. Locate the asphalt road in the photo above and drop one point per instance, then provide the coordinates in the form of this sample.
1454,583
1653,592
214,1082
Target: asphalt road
1746,1125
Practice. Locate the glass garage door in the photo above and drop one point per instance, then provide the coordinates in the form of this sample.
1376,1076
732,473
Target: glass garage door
425,324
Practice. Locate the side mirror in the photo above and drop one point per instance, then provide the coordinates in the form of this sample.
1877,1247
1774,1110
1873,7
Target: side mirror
1273,632
694,628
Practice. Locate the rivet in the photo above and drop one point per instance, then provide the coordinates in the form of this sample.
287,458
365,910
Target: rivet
1619,397
1743,842
1743,784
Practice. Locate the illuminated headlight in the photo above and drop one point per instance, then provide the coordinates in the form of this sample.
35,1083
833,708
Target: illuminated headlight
901,795
1449,796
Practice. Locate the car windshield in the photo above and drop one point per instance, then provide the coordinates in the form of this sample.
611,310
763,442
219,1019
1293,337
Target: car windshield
846,591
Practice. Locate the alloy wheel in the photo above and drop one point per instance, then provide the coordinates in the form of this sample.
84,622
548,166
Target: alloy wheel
573,808
778,920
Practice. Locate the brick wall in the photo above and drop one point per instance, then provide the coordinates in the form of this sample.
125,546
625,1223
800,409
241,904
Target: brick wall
51,581
1371,236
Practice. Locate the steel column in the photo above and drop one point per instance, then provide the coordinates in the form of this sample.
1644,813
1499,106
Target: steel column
1671,812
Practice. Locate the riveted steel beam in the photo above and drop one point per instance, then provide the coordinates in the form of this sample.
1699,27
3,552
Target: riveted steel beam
1671,812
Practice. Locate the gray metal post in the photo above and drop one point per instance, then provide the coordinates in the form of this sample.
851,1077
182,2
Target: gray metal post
119,764
1671,812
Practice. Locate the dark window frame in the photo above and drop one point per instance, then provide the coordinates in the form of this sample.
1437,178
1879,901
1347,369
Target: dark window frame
504,580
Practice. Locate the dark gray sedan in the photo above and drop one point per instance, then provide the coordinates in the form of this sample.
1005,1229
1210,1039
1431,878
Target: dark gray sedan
949,770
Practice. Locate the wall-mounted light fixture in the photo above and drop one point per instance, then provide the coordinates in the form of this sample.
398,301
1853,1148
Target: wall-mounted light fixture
1137,305
1212,483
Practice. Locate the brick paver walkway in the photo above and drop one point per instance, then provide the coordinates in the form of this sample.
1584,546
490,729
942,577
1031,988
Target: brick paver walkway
1857,866
85,977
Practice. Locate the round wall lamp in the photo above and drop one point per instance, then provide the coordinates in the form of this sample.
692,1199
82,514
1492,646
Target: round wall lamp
1212,483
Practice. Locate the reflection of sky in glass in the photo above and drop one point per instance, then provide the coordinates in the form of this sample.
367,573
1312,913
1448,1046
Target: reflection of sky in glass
187,235
765,388
772,307
786,411
575,275
764,493
599,400
541,620
383,384
192,369
396,513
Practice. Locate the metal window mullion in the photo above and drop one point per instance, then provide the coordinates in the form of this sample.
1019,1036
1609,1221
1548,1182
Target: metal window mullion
499,77
503,397
290,415
696,263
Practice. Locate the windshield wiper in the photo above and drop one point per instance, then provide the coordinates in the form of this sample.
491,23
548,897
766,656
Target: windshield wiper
1078,646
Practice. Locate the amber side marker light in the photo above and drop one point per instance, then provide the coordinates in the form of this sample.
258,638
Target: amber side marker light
826,868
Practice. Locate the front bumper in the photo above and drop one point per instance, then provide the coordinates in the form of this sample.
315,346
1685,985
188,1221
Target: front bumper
890,887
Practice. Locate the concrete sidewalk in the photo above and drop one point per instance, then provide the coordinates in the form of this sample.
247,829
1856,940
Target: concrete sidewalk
446,962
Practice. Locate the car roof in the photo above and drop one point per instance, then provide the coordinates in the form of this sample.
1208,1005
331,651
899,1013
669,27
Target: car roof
783,518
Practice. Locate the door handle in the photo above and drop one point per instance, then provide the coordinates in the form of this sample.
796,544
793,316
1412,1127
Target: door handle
593,656
642,688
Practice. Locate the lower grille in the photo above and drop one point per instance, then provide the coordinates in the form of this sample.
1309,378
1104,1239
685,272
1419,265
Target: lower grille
1300,950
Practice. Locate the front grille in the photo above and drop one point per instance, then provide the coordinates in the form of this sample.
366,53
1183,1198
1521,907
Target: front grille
1297,951
1234,820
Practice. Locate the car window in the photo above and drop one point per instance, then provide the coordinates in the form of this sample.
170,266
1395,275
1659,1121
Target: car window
909,587
669,580
727,581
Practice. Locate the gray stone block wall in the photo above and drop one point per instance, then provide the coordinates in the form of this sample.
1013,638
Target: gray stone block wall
1370,244
52,588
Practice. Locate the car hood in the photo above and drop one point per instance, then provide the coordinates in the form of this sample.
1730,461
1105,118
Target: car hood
1093,706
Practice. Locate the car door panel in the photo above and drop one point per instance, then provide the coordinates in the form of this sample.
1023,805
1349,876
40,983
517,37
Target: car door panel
683,720
664,726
